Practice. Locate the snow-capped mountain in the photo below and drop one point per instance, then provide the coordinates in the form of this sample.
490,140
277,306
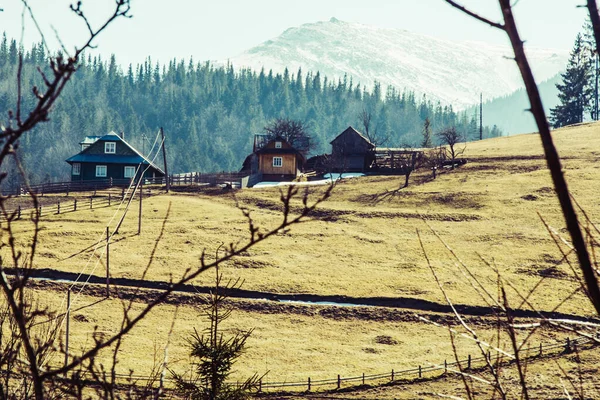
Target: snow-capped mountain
452,72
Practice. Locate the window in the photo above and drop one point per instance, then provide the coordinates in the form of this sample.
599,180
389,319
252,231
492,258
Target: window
101,171
76,169
110,147
277,145
277,162
129,172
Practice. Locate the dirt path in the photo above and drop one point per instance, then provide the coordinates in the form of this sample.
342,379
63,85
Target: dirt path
336,307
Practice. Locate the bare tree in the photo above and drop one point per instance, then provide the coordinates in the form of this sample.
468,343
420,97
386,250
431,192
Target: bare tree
29,330
451,138
295,132
578,246
372,133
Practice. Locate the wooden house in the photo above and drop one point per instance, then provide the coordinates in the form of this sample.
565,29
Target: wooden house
109,157
352,152
273,159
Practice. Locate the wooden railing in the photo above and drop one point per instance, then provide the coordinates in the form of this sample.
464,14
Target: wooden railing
73,186
192,178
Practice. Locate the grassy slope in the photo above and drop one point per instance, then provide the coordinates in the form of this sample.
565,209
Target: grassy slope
362,244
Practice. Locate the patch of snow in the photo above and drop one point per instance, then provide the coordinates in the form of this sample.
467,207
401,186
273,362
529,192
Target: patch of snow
328,179
451,72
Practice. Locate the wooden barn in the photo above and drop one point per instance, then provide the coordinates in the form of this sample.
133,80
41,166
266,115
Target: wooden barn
352,152
273,159
109,157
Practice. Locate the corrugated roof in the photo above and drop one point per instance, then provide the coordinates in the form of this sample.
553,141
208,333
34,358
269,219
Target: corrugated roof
113,158
108,159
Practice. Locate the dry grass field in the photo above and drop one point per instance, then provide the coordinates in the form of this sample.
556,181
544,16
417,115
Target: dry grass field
361,245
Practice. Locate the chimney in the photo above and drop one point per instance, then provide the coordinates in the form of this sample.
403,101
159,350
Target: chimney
122,135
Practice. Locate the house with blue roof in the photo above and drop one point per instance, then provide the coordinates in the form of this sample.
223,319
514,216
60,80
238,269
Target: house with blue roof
110,157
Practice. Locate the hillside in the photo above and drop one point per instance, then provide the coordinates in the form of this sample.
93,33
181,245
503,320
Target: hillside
360,246
451,72
509,112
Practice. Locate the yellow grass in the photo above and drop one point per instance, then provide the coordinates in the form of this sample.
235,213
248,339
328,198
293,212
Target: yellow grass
362,243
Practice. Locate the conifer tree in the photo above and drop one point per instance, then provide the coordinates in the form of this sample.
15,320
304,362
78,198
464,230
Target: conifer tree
590,45
574,91
427,137
215,354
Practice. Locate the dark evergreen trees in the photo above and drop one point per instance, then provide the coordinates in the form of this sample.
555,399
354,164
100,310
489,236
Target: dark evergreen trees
210,114
575,90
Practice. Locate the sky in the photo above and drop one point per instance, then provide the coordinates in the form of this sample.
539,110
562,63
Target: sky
216,30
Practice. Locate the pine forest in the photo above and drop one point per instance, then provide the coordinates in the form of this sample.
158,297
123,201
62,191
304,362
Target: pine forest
209,112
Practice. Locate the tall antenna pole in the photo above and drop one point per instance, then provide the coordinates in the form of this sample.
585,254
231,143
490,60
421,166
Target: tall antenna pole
141,188
68,323
596,91
480,116
167,183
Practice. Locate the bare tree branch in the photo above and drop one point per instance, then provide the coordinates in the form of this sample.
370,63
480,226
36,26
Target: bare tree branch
474,15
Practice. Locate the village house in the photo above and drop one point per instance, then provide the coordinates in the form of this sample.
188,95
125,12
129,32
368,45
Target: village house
273,159
109,157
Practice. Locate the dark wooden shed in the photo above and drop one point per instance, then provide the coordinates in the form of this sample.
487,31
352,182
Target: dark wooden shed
352,152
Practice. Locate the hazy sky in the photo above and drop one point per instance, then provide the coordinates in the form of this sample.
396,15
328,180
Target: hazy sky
218,29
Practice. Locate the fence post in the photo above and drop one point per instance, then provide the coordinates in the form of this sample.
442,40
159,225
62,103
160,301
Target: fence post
392,375
107,263
122,193
40,212
19,213
109,199
75,205
309,383
58,207
363,378
259,385
445,366
469,362
91,202
420,372
568,345
540,349
339,381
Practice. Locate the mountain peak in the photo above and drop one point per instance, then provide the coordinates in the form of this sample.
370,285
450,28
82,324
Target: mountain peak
446,71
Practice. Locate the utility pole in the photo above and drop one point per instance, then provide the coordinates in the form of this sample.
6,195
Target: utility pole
107,262
144,138
596,91
167,183
141,197
68,322
480,116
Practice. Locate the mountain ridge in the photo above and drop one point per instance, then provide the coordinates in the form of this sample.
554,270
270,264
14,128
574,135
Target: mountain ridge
447,71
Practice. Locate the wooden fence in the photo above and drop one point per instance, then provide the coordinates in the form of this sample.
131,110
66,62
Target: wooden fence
64,206
192,178
419,372
72,186
197,178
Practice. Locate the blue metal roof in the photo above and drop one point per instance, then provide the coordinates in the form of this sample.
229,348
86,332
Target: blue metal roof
108,159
